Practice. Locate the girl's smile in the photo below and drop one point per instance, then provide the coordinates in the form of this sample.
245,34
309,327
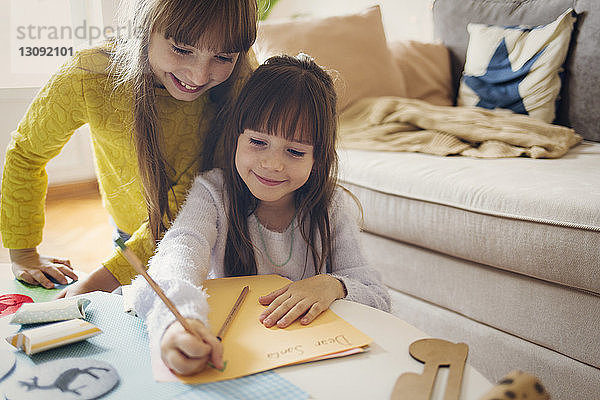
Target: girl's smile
266,181
184,86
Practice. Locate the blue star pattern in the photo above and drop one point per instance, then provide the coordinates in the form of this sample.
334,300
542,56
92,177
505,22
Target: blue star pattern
499,86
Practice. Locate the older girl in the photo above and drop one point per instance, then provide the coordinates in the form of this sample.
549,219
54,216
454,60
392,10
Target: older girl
151,102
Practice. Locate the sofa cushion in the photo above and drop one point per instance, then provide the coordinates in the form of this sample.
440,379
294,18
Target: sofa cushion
516,67
426,70
353,47
536,217
493,352
581,88
554,316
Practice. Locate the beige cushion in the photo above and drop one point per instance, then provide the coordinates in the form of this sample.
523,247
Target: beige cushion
493,352
540,312
354,46
535,217
426,70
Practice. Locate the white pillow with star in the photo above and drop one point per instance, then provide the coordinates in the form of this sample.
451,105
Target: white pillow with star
516,68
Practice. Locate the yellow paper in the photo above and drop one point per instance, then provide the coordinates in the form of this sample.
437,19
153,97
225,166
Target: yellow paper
250,347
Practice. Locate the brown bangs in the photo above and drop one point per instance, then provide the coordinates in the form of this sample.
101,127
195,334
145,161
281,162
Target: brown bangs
282,107
222,26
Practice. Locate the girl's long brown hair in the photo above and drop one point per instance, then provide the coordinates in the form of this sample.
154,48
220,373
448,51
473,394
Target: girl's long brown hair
222,25
294,98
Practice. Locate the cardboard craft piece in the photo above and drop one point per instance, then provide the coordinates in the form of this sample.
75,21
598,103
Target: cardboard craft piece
50,311
65,379
47,337
434,353
10,303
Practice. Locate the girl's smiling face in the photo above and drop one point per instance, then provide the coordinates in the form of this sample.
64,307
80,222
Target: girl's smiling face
272,167
186,71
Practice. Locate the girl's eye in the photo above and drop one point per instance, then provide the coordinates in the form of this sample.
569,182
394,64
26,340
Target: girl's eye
179,50
224,59
296,153
257,142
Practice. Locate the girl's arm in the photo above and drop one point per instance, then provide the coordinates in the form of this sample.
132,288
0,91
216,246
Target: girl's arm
351,277
116,271
362,282
58,109
180,266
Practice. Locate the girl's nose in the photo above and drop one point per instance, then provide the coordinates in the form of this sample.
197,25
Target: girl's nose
199,72
272,162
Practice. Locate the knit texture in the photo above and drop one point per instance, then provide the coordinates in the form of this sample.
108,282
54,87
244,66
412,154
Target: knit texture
193,250
398,124
83,91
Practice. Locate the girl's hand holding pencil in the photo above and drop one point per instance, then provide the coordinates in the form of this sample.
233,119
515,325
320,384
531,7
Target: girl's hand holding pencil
185,354
187,344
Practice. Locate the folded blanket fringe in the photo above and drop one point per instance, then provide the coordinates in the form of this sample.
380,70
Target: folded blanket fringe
399,124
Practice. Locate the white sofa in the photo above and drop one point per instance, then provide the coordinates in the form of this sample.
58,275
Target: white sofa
502,254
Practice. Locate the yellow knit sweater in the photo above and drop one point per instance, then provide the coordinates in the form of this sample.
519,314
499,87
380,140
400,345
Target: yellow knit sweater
83,92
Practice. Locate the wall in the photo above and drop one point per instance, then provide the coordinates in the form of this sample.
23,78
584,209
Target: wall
21,77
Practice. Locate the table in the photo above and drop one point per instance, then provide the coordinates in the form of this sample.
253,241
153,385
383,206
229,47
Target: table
370,375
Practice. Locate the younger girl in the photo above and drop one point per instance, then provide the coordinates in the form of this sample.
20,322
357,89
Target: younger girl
150,101
274,209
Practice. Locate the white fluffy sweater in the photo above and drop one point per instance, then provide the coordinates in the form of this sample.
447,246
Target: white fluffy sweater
193,250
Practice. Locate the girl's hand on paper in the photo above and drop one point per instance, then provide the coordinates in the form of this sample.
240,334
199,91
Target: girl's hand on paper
33,268
185,353
306,298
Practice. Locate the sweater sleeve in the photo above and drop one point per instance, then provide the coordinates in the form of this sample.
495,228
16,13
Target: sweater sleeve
363,283
141,241
181,264
57,110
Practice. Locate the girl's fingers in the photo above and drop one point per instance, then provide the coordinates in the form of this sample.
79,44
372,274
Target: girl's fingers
41,278
279,312
68,271
267,299
192,346
216,347
56,274
27,278
62,261
272,307
182,364
314,311
216,354
294,313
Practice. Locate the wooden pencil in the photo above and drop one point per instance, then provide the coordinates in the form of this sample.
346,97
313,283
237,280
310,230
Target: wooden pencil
232,313
139,268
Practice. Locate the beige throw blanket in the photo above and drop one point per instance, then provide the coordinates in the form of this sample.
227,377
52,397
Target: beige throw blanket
398,124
